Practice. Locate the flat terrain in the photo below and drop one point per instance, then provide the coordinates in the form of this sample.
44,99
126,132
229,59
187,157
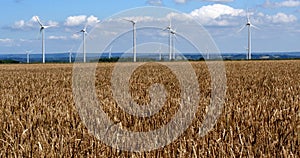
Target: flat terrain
261,115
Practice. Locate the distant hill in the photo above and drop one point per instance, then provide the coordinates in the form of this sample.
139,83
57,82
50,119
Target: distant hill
64,57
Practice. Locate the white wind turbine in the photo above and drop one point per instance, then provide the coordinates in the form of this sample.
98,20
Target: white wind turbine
28,56
70,55
134,38
160,55
109,54
249,25
207,54
172,33
84,32
42,31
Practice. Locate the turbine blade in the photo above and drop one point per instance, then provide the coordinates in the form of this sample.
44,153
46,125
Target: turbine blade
133,22
45,27
164,29
85,26
126,20
241,29
257,28
88,36
38,20
175,36
248,15
38,35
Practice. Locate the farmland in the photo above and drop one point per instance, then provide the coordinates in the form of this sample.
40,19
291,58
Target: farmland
261,115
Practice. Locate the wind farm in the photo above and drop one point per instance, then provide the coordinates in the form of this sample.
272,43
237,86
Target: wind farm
138,69
172,39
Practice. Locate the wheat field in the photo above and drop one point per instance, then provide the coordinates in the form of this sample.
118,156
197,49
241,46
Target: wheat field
260,118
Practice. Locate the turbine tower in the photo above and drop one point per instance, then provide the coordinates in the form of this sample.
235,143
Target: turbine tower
42,31
134,38
173,33
248,25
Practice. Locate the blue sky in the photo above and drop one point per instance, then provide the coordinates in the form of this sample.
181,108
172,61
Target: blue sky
278,20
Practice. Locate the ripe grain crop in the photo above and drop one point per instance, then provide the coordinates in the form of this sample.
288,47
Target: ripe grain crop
261,115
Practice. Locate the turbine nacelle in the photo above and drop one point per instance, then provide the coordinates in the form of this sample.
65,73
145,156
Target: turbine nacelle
83,30
132,21
173,32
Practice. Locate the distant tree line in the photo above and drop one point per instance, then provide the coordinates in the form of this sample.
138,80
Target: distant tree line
9,62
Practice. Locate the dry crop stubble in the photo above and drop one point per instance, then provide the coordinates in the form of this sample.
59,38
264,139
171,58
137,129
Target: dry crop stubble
38,116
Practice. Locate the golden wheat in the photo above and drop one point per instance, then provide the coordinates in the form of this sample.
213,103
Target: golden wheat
261,115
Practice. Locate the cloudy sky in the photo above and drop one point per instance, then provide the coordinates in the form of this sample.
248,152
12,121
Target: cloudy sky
278,22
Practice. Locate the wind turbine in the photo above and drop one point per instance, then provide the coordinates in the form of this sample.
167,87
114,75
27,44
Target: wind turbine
249,25
207,53
134,38
109,54
42,31
70,55
27,56
171,35
84,32
159,51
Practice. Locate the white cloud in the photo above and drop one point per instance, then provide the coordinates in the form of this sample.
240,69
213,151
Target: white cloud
216,10
92,20
19,24
285,3
220,1
180,1
75,20
6,40
52,23
110,33
81,20
76,36
57,37
223,15
30,24
282,18
155,2
290,3
25,40
216,14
